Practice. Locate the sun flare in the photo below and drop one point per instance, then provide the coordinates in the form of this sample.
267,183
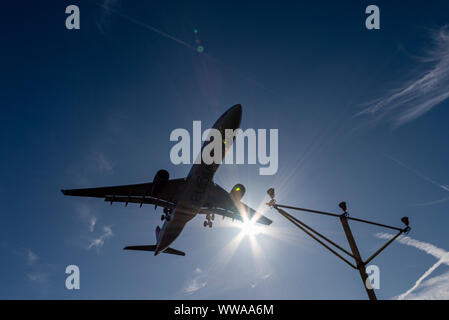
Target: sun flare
250,228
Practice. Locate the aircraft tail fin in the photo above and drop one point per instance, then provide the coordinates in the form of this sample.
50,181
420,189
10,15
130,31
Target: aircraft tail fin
153,248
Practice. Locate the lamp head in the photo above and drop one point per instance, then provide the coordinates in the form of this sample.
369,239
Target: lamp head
405,221
270,192
343,206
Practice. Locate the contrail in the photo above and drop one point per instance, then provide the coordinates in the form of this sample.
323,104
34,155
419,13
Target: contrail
431,203
422,176
438,253
421,279
189,46
423,246
419,174
146,26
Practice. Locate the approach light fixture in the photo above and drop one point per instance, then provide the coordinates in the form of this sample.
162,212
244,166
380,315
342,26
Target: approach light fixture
272,202
405,221
358,263
270,192
343,206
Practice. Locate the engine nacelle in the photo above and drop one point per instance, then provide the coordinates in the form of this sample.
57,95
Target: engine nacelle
159,182
238,192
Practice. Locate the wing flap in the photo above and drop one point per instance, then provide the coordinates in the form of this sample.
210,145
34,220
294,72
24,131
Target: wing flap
140,200
141,189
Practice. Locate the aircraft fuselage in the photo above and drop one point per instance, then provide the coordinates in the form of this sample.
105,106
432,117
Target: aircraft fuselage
198,181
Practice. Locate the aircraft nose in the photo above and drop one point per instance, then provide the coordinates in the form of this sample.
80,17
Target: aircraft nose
237,110
236,115
230,119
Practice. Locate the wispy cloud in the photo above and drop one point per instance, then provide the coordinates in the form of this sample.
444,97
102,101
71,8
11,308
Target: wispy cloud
38,277
92,223
99,242
438,253
34,266
197,282
262,278
87,214
103,164
423,91
194,285
31,257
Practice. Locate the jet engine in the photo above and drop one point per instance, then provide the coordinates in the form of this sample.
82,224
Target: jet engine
238,192
159,182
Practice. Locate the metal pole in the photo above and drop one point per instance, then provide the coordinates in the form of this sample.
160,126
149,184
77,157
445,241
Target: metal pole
375,223
289,216
336,215
286,215
357,257
307,210
344,221
383,247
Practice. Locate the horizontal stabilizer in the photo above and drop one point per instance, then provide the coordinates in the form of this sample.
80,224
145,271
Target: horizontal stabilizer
153,248
174,251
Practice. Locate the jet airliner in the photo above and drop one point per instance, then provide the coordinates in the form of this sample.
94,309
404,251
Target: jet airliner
182,199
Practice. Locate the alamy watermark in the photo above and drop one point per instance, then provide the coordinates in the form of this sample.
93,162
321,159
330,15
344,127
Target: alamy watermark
73,280
373,280
216,145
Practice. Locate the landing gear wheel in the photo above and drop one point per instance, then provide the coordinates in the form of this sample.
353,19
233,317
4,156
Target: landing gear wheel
210,224
205,224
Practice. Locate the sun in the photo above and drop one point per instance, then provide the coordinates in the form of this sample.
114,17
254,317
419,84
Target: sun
249,228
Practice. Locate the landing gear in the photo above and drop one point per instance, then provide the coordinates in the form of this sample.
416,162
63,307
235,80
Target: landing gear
167,214
208,221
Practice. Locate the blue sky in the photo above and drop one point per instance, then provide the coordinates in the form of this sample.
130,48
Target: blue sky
362,117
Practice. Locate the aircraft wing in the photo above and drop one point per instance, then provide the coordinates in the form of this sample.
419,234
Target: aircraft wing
220,202
135,193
